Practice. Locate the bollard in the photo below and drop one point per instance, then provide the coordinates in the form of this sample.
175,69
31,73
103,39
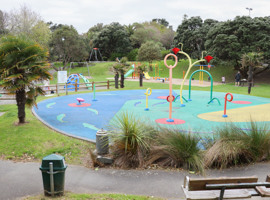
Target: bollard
102,142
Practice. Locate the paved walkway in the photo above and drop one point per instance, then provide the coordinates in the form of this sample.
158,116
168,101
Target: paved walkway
19,180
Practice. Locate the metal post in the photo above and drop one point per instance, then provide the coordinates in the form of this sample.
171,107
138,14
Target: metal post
66,89
51,178
57,88
88,70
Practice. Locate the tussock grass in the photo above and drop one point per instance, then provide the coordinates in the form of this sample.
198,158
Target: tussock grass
176,148
130,140
233,146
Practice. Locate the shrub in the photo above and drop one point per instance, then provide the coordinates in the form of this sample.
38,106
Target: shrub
116,55
130,140
164,53
177,149
132,56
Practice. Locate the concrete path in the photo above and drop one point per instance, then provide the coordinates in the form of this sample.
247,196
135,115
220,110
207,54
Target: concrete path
19,180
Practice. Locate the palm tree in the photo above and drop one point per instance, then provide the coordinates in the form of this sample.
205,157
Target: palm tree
120,67
22,63
251,60
141,69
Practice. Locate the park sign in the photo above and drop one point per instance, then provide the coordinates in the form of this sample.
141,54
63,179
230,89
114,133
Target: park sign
62,77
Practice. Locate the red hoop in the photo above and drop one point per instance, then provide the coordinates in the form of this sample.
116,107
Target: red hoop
169,97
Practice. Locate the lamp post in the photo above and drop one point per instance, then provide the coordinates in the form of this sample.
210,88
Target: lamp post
249,9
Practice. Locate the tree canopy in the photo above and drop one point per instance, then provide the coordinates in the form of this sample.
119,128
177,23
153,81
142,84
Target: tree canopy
67,45
112,38
150,51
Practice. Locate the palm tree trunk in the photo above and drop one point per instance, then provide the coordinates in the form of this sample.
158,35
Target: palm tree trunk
250,78
21,99
141,79
122,81
116,80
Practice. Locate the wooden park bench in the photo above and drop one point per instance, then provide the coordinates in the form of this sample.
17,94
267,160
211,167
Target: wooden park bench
225,187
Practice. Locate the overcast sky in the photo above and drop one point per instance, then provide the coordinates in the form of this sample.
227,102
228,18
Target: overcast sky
84,14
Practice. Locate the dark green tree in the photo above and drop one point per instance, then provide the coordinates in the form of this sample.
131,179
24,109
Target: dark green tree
67,45
113,38
22,63
192,34
162,21
229,40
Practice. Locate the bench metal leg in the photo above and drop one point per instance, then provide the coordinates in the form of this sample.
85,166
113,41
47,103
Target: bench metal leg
221,193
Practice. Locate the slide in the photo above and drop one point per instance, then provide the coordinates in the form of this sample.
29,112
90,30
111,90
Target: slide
146,75
129,72
86,81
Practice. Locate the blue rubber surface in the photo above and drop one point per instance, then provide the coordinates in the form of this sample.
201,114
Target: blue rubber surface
85,121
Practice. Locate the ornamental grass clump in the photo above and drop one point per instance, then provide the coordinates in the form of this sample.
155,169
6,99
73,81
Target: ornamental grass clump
130,139
176,148
258,138
233,145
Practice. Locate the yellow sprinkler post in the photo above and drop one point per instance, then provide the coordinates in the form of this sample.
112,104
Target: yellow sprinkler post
147,93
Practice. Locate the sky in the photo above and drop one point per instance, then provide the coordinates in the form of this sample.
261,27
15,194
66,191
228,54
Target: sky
84,14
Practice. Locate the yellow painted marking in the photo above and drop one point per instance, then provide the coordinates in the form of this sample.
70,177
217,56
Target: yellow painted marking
259,113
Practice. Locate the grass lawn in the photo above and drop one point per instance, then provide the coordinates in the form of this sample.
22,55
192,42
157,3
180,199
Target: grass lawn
69,195
32,141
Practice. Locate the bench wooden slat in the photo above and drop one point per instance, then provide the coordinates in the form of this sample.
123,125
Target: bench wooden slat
264,192
199,184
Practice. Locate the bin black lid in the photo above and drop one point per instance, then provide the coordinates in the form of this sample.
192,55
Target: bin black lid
57,160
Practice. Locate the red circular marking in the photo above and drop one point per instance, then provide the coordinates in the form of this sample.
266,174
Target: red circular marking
164,121
169,97
82,105
242,102
162,97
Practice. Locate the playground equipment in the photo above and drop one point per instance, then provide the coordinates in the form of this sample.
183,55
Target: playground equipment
79,101
176,50
96,55
134,72
130,71
148,93
156,72
225,105
201,71
72,79
86,81
94,87
146,75
170,98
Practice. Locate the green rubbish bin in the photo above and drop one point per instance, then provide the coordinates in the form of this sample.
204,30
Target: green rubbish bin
53,169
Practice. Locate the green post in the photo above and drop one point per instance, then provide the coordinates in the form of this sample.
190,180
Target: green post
94,93
211,91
